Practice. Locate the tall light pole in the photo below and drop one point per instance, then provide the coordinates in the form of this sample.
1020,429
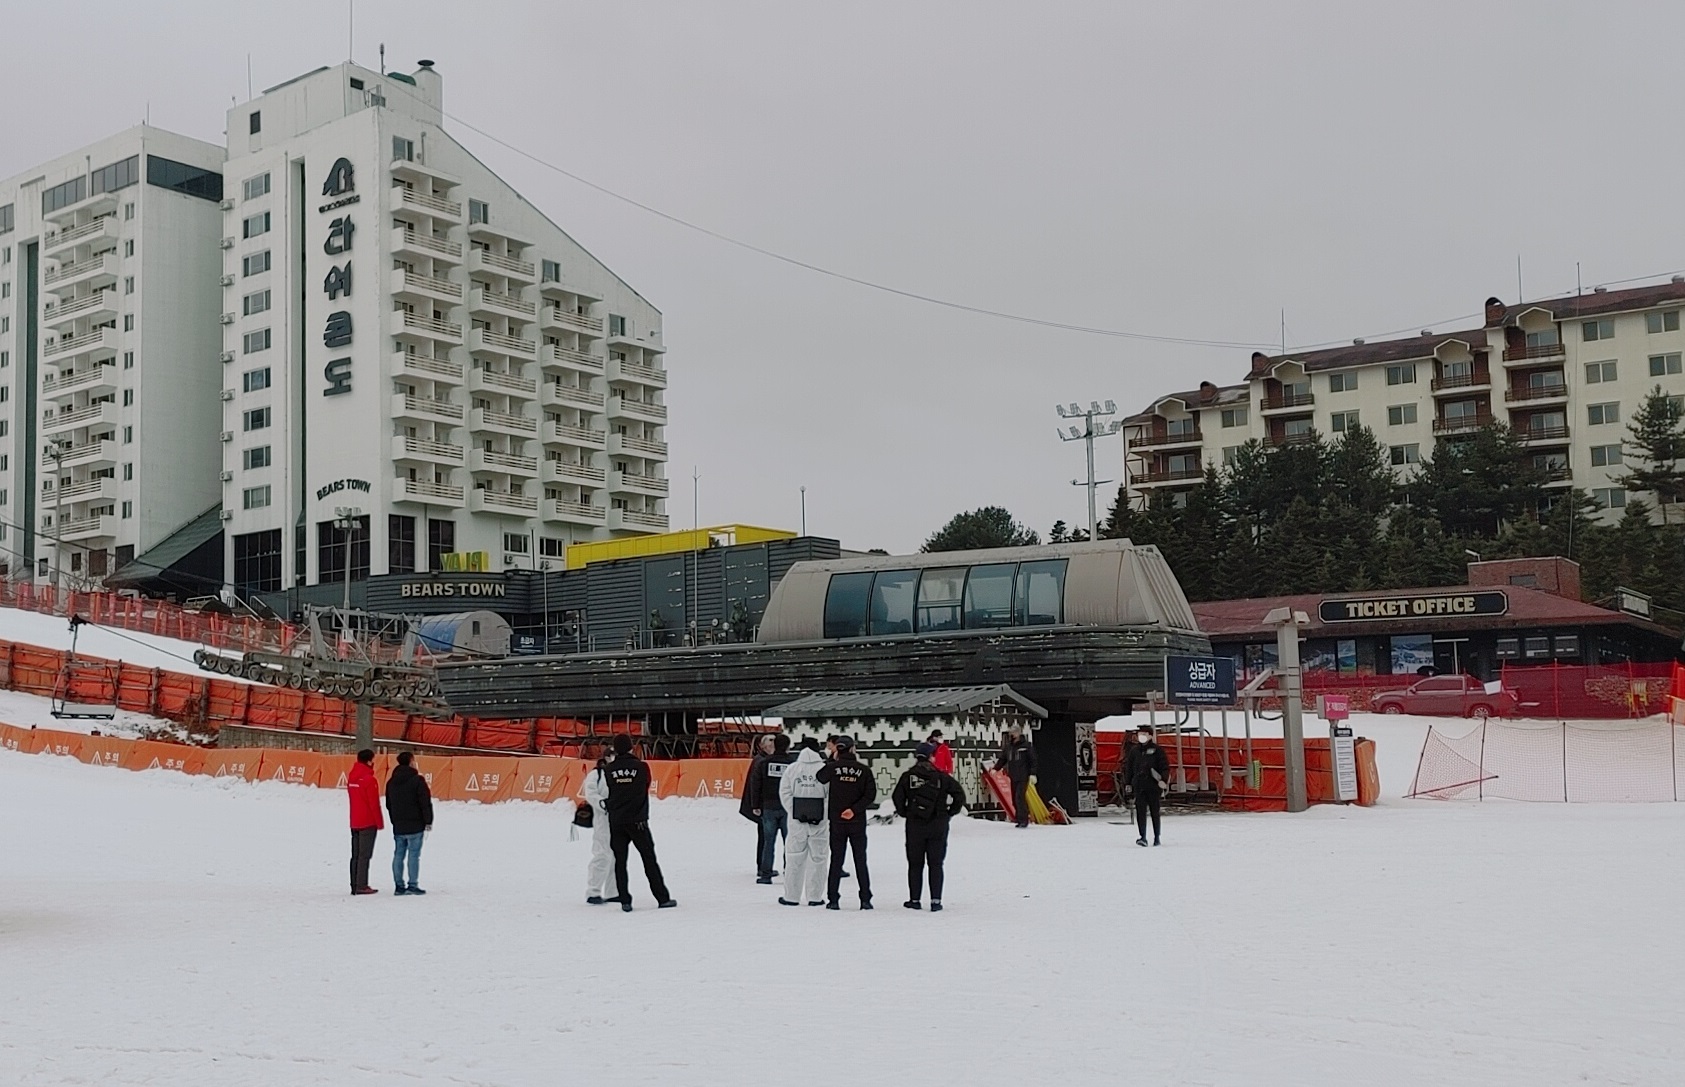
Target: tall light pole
345,519
804,510
1087,434
56,451
1287,623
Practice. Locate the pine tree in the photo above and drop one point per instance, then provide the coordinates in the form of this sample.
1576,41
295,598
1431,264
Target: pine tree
1655,447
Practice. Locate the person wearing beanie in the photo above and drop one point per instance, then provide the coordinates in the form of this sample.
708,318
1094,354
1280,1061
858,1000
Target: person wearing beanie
764,801
943,757
628,822
927,799
366,821
807,850
853,790
1147,770
410,804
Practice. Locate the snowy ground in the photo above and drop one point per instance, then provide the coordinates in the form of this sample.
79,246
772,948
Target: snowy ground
26,710
110,643
162,929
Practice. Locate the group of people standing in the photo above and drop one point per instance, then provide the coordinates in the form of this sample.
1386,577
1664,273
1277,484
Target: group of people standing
819,803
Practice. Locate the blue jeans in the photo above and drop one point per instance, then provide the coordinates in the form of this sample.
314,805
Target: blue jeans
773,822
402,845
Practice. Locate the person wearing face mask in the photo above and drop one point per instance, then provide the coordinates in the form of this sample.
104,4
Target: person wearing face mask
1147,769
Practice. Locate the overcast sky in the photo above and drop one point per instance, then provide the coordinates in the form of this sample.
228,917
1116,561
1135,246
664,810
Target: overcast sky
1185,170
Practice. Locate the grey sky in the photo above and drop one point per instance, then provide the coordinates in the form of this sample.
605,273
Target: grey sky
1186,170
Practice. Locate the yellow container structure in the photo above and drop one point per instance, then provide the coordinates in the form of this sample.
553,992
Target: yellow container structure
667,543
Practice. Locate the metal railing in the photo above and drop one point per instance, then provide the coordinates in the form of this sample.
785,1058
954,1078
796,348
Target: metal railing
569,394
577,511
431,325
1283,400
573,473
1536,392
416,240
484,417
72,344
492,461
505,344
643,446
642,408
422,488
1457,423
71,271
422,405
429,283
422,364
559,316
570,357
1460,381
431,450
524,268
505,500
1190,438
633,481
577,435
426,202
1533,351
497,379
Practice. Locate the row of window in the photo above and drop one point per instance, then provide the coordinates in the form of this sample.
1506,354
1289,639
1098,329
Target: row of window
257,555
992,596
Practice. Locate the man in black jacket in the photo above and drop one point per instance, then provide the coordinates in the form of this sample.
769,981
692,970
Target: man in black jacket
628,822
1147,769
768,773
747,809
927,798
853,790
410,804
1018,759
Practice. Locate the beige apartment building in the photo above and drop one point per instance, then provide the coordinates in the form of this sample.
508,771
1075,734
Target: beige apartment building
1564,373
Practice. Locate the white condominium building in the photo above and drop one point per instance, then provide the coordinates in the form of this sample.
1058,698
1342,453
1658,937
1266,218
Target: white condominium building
108,353
1564,373
405,336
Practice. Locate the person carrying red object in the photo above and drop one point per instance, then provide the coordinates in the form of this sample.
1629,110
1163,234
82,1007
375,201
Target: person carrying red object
366,820
943,759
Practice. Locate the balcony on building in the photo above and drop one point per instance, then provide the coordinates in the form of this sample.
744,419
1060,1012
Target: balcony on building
1158,475
97,308
426,492
425,451
1167,432
628,445
100,343
620,520
567,471
554,394
485,262
1555,468
419,172
88,207
578,513
489,300
1545,427
554,316
425,288
417,243
1461,377
499,383
413,326
427,409
1536,386
87,528
430,205
1280,437
583,437
95,453
482,341
632,482
494,230
90,490
1286,396
552,357
427,367
97,415
96,379
1466,423
1534,347
486,500
651,345
509,464
97,271
502,422
622,407
95,234
637,373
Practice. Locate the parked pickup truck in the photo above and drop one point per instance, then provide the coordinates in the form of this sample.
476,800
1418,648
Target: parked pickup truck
1449,696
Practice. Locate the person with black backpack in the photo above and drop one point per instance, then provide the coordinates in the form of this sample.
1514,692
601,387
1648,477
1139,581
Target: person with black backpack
927,798
807,849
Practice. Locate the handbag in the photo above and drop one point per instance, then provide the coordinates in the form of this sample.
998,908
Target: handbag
583,816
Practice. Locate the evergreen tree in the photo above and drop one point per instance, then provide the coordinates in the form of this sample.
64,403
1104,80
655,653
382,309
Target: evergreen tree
1058,533
1655,448
990,526
1472,485
1239,571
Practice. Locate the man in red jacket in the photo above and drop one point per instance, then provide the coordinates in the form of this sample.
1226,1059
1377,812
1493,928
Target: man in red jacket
366,821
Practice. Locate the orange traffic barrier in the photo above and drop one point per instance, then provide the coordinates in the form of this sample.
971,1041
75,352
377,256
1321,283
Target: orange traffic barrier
12,738
238,762
546,779
295,767
663,779
45,741
712,777
437,771
153,755
104,750
482,778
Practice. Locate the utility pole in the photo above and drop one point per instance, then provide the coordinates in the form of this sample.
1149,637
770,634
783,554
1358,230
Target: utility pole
345,519
1087,435
804,510
56,451
1287,623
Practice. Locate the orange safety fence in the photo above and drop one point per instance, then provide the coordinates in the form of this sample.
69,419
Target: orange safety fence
208,702
1212,764
483,778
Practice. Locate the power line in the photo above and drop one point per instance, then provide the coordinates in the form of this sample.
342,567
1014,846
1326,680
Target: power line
949,303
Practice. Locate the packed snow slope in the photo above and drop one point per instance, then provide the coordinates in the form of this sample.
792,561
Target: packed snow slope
108,643
163,929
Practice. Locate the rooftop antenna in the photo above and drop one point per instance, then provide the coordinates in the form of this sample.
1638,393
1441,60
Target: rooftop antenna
382,58
1519,296
1578,290
249,95
350,28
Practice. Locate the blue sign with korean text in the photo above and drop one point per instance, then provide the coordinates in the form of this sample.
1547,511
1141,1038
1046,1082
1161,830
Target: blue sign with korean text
1199,681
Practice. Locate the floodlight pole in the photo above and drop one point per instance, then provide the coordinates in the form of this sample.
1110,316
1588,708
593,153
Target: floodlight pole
1287,623
1089,433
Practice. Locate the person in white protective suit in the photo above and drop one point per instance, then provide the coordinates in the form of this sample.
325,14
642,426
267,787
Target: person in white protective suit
599,871
807,850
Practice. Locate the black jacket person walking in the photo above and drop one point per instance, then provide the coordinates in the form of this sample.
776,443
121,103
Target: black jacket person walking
927,798
628,821
1147,769
853,790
